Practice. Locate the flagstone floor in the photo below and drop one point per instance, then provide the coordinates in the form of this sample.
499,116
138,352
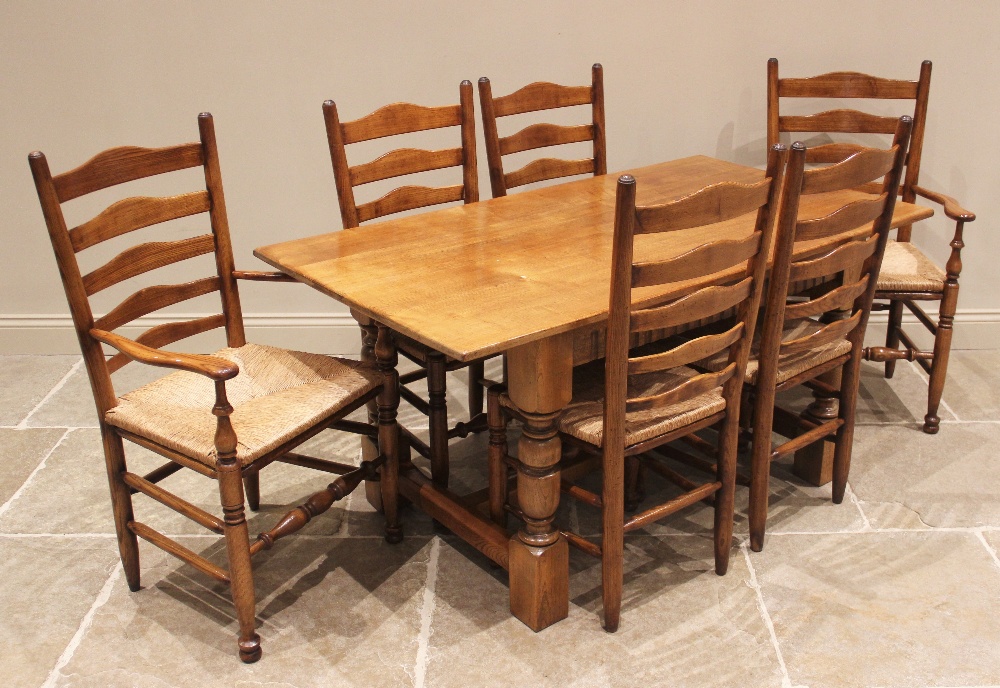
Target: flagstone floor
899,586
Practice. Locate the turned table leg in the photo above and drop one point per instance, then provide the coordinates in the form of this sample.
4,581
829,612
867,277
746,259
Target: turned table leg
369,449
540,381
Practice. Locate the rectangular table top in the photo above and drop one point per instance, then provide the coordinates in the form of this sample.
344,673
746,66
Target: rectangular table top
481,278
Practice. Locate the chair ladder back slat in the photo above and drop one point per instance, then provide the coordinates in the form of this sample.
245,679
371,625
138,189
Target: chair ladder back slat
695,350
402,161
715,203
832,152
692,388
547,168
400,118
847,85
153,298
124,164
167,333
408,198
834,261
145,257
843,219
541,95
840,298
842,121
860,168
134,213
838,329
700,304
709,258
544,134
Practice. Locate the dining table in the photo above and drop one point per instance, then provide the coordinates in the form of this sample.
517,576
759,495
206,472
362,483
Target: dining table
527,275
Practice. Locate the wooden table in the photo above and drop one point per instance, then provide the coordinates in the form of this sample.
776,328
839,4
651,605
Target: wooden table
518,274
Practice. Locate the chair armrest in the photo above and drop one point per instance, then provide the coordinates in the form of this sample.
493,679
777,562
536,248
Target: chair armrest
259,276
951,207
210,366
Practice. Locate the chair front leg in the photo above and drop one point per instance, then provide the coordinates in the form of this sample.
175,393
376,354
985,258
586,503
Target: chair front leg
121,505
725,498
235,527
942,340
388,432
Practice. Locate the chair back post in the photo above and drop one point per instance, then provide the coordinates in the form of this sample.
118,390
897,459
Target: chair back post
470,171
76,294
773,327
619,309
883,225
341,171
773,134
231,309
600,144
492,138
913,157
785,170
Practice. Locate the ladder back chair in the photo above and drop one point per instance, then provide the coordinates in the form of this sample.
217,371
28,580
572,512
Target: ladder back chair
817,310
533,98
907,276
633,402
393,120
226,415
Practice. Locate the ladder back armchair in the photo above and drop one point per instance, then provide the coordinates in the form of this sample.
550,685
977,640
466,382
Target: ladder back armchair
226,415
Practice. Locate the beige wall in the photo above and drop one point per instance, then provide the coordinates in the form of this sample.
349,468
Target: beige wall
681,78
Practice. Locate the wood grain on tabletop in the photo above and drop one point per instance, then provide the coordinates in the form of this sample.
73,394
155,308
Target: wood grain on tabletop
480,278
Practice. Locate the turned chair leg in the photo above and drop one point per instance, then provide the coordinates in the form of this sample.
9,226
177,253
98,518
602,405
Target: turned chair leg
438,418
892,334
477,371
942,351
497,451
251,485
238,550
121,505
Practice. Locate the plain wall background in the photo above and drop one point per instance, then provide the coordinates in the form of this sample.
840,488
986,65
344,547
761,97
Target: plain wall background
681,78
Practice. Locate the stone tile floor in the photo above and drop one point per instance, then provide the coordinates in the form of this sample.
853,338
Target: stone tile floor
898,586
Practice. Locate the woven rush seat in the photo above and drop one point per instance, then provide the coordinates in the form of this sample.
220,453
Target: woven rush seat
906,268
584,416
792,364
277,394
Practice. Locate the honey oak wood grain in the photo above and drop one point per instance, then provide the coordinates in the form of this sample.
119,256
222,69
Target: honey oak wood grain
538,262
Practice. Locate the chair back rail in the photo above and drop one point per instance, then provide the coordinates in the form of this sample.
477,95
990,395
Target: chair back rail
537,97
728,274
109,169
394,120
858,86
